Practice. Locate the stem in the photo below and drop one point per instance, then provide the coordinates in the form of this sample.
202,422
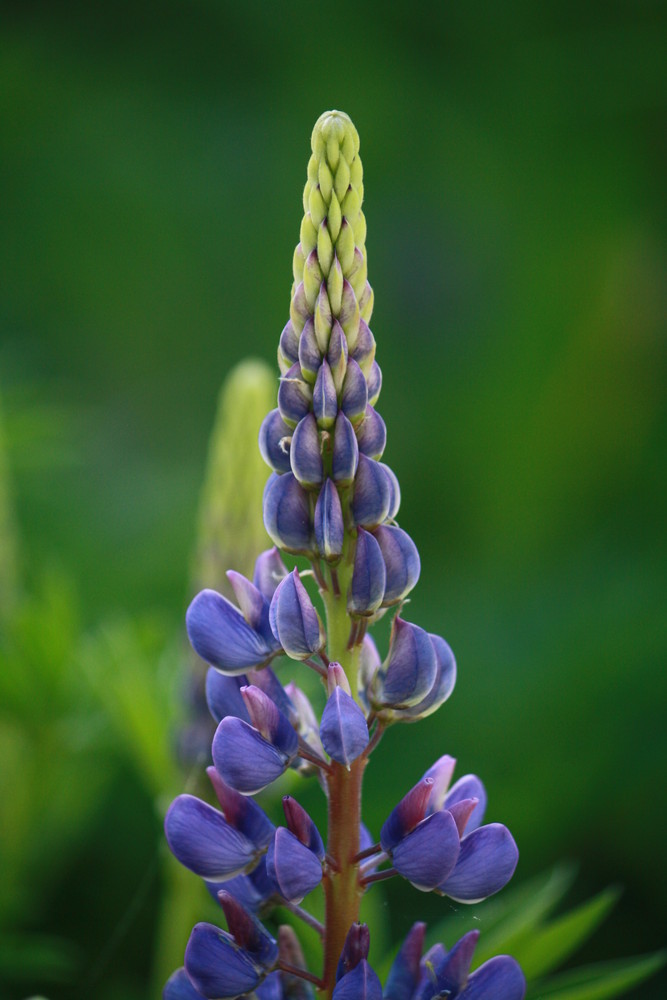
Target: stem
294,970
379,876
304,915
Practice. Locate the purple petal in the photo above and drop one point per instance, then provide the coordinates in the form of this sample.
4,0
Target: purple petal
394,492
325,400
441,772
179,987
468,787
269,571
301,825
401,560
360,984
306,454
356,948
245,760
294,620
409,671
443,685
294,396
202,840
269,721
223,695
372,494
486,863
266,680
242,812
289,345
429,851
247,931
310,356
364,349
500,978
374,383
405,816
254,606
337,355
220,635
404,973
344,731
218,969
372,434
287,514
368,576
349,313
271,988
354,398
274,441
452,973
345,457
329,526
293,867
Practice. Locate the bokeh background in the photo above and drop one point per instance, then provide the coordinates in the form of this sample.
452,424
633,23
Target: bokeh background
153,158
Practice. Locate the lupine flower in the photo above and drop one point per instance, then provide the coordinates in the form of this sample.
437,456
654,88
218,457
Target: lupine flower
330,499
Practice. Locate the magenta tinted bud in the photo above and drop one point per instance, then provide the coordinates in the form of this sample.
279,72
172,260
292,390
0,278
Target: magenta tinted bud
345,459
429,853
485,865
394,492
294,868
301,825
295,620
246,760
462,810
310,357
354,398
223,695
325,400
410,669
343,730
267,682
294,396
368,577
401,561
403,976
337,355
269,571
306,454
336,677
364,349
274,441
356,948
268,720
372,494
361,983
409,812
241,812
372,434
374,383
203,841
329,525
287,514
220,634
247,931
441,774
288,351
369,664
469,787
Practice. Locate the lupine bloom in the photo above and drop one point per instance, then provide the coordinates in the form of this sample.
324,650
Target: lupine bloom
329,499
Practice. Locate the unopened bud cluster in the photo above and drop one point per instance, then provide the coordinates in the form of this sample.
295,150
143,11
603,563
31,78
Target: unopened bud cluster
329,498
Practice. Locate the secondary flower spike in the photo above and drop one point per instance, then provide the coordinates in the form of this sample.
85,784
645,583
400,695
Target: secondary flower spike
331,505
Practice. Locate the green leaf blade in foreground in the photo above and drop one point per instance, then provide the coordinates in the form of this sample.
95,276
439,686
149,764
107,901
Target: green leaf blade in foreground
598,982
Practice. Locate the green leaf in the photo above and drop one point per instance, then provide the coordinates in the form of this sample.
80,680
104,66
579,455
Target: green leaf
598,982
547,947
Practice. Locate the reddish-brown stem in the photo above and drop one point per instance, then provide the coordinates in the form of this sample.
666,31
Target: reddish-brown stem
368,853
379,876
293,970
342,889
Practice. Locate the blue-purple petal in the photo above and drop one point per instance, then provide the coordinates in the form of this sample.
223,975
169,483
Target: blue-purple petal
344,731
274,441
500,978
222,637
329,525
486,863
401,560
325,400
179,987
372,494
306,454
223,695
202,840
345,455
293,867
245,760
410,668
294,396
404,973
219,969
294,620
287,514
361,983
372,434
430,850
368,576
469,787
354,398
269,571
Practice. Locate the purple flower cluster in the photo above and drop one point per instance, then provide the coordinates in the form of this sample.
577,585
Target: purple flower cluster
330,499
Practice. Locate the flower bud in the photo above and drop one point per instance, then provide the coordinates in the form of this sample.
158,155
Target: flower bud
364,349
323,319
310,356
293,866
223,695
247,758
405,971
294,396
306,454
242,812
355,949
355,393
329,525
288,349
294,618
203,841
345,459
371,434
372,493
361,983
349,315
374,383
325,401
368,576
343,730
401,561
301,825
337,355
443,685
394,492
408,673
220,634
269,571
274,442
287,514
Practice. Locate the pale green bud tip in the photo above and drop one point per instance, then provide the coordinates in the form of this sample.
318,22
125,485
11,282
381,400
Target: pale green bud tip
335,128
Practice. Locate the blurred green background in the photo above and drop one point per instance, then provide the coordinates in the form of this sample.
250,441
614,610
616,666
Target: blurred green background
152,162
